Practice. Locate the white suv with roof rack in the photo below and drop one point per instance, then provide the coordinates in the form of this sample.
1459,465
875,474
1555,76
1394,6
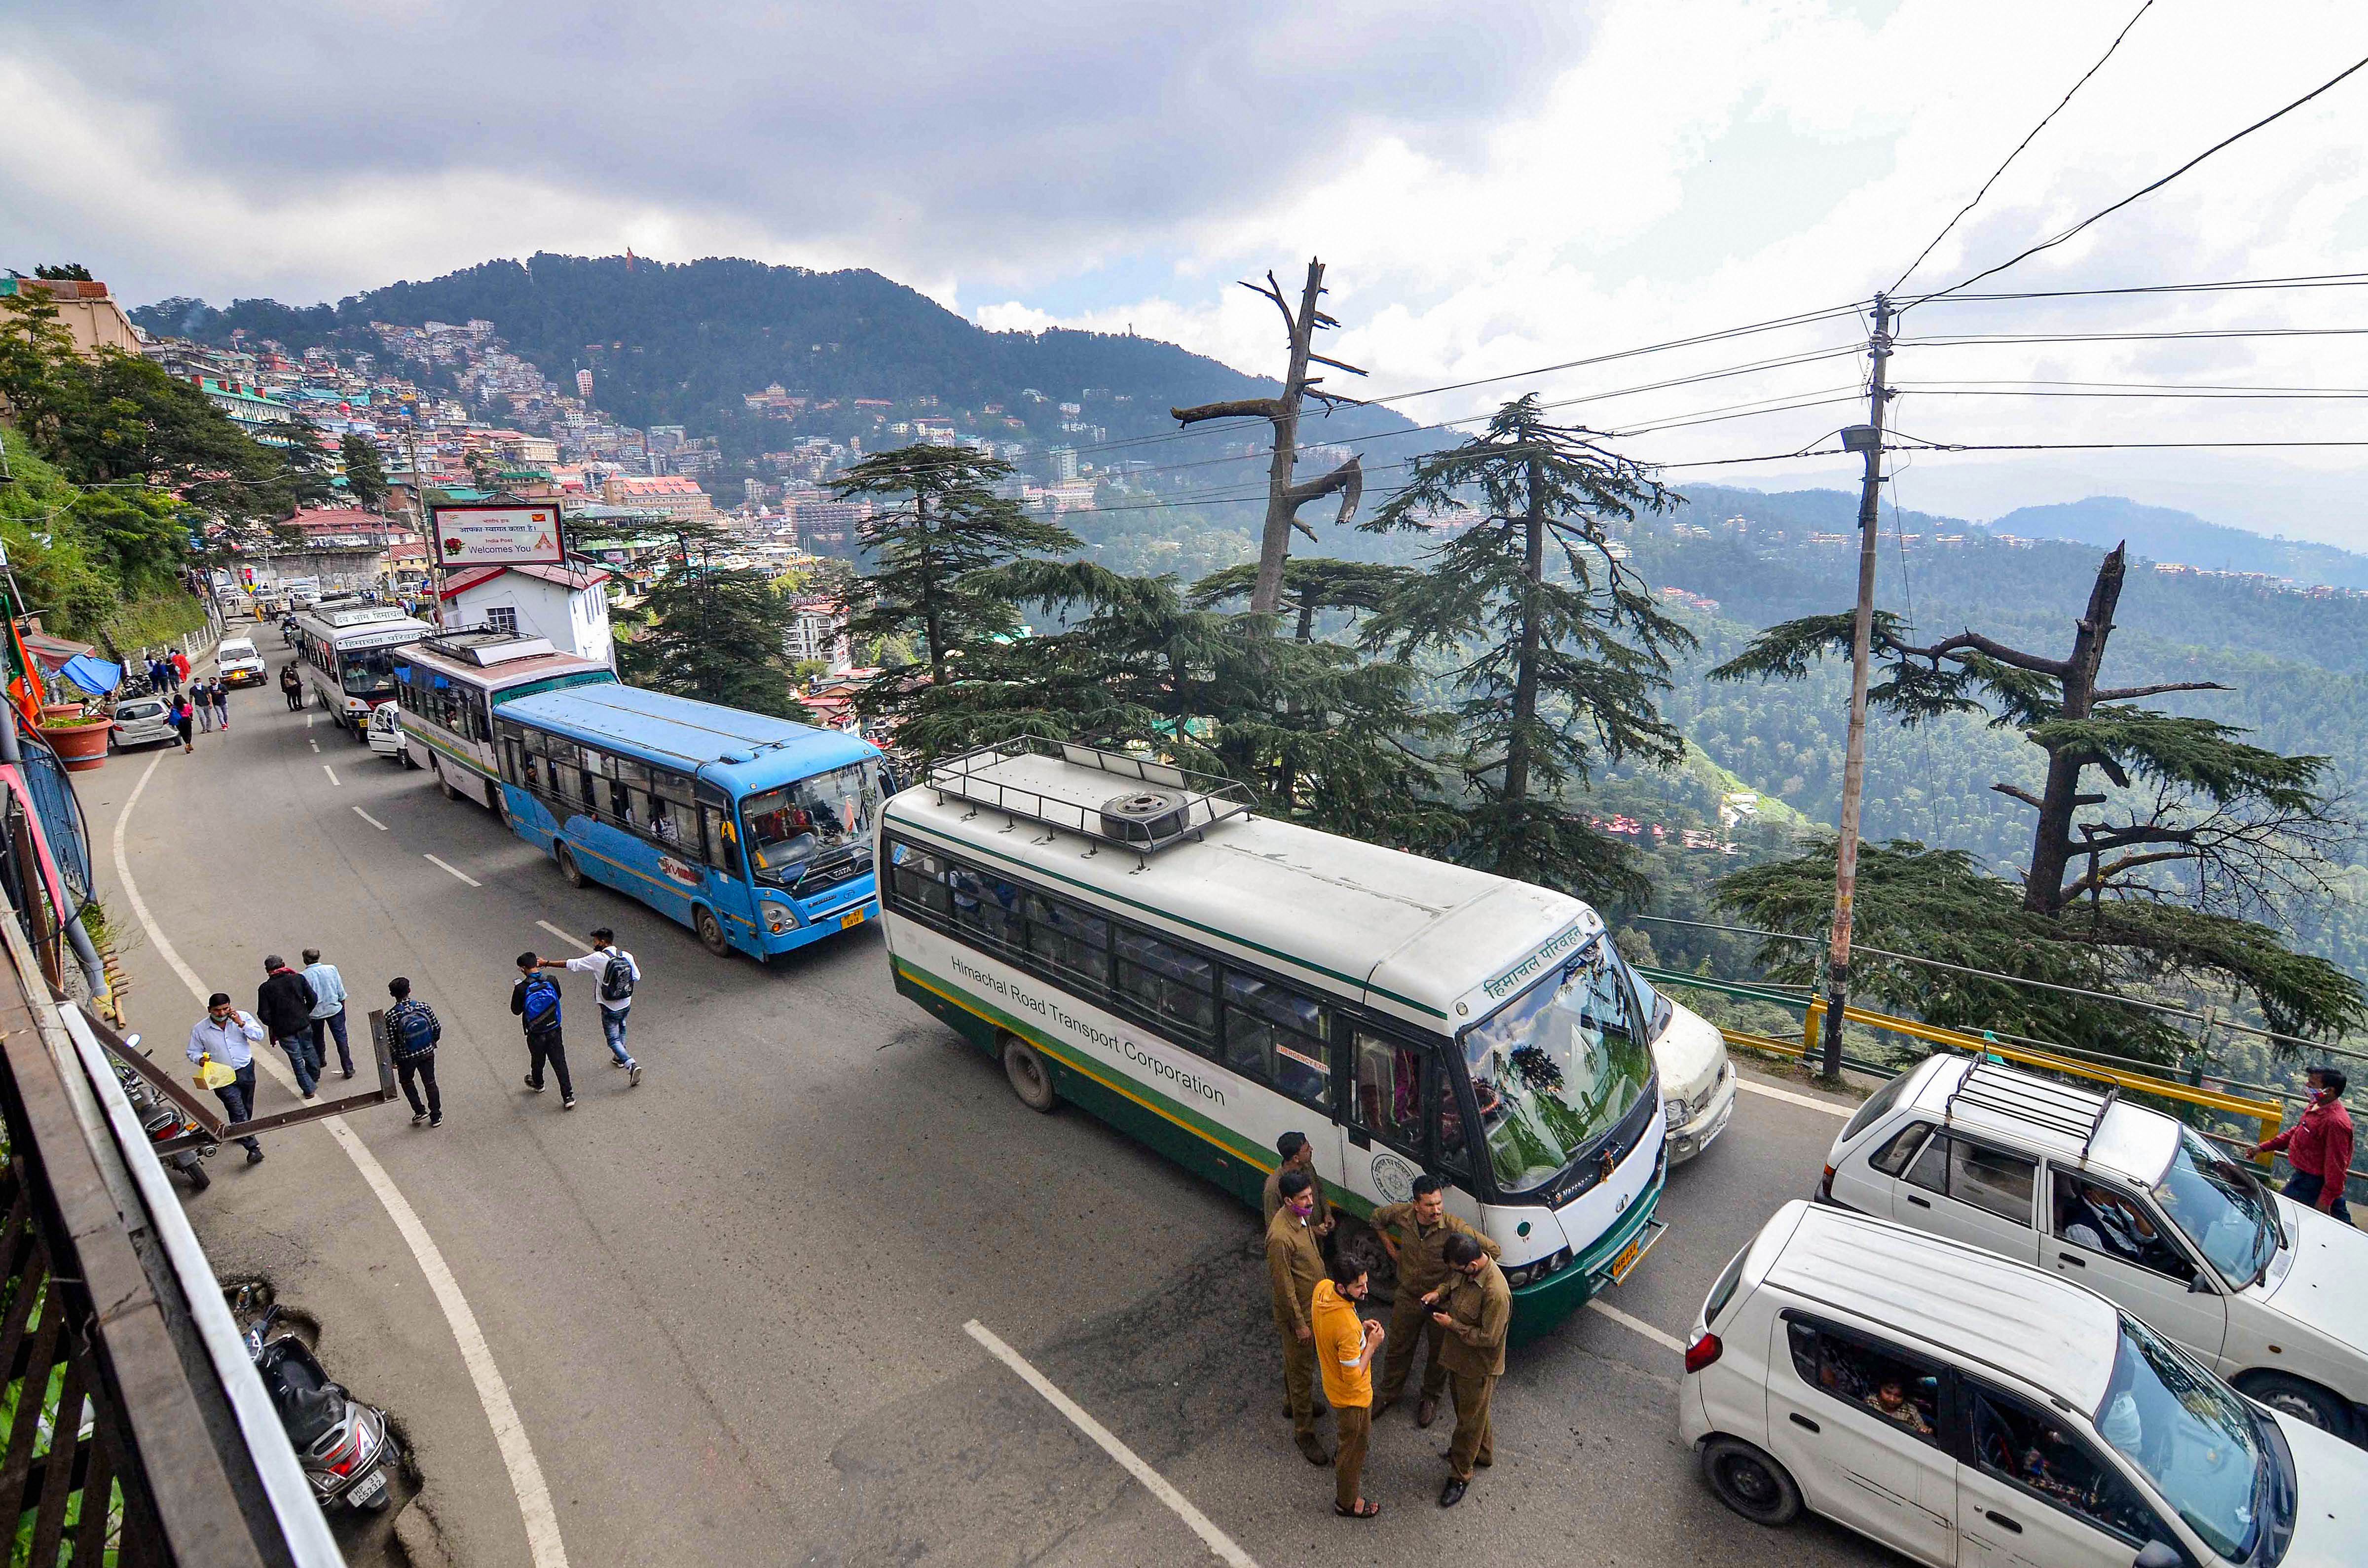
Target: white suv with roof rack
2135,1205
1973,1413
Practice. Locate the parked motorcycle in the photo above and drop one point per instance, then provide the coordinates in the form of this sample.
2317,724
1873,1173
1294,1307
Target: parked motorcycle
160,1118
343,1444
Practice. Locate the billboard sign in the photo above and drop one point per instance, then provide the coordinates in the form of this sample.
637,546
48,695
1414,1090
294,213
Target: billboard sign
507,534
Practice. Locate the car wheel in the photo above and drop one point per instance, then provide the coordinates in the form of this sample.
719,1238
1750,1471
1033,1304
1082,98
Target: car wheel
710,932
567,865
1750,1483
1032,1080
2305,1402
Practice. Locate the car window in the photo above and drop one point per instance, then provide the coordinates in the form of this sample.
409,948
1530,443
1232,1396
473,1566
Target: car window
1878,1105
1892,1157
1989,1179
1858,1370
2105,1219
2016,1444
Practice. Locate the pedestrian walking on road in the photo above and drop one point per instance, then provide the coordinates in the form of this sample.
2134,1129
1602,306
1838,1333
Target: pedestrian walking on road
182,713
284,1003
618,975
2318,1146
328,1012
291,686
1295,1265
1415,1234
1475,1307
412,1033
1345,1347
181,663
535,1000
229,1037
205,710
221,697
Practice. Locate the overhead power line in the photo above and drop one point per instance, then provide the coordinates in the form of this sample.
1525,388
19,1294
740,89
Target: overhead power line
2011,157
2146,190
2233,285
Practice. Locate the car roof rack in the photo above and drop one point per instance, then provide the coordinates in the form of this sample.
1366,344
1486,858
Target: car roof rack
2025,1097
1180,803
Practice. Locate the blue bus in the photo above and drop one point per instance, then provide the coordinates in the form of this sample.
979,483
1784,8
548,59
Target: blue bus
754,832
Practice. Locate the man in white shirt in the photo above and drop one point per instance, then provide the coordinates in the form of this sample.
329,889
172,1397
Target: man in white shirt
615,976
328,1010
230,1037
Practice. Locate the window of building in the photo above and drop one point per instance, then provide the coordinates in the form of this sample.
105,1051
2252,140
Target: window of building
502,617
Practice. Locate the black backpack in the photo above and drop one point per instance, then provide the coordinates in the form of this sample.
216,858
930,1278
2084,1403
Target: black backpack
617,980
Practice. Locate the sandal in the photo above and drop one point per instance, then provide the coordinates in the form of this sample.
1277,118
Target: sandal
1365,1509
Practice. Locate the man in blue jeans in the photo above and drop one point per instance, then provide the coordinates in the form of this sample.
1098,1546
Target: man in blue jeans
229,1037
328,1012
616,974
284,1003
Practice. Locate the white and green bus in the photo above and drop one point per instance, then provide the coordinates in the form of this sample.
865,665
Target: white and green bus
1133,939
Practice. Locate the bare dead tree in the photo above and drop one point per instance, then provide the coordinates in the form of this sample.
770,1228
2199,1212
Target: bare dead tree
1285,499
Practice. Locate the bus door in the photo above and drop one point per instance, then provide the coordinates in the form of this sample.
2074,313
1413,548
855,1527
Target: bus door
728,893
1400,1118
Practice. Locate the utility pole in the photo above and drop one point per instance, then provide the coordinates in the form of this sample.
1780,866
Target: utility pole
1866,438
1284,498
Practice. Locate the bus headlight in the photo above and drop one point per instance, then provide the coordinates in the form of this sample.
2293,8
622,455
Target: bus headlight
778,918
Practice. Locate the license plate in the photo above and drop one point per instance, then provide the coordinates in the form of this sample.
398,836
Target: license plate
852,917
1634,1253
371,1490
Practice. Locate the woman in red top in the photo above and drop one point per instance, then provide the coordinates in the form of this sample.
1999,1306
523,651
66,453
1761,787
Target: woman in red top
2318,1146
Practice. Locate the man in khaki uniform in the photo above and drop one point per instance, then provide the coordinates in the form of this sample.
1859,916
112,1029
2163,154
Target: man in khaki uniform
1294,1265
1417,1234
1475,1307
1298,1155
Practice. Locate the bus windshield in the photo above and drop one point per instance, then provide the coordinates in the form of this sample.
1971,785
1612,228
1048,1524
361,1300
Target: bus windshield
1556,1069
366,670
791,828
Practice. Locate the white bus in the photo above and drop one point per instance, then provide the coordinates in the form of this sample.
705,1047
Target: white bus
1132,938
348,654
445,690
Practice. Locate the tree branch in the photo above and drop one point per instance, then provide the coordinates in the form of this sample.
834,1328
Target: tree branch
1239,408
2025,796
1976,642
2123,694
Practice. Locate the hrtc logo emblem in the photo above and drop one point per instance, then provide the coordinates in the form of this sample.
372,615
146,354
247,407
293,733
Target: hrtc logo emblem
1394,1177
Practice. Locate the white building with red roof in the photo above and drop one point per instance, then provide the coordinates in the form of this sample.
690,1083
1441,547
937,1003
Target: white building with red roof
567,605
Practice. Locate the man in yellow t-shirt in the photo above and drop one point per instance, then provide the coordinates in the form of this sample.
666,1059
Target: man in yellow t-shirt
1345,1347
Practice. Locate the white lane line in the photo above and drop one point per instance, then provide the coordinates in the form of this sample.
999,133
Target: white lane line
369,819
541,1520
455,871
571,941
315,745
1218,1543
1789,1097
1637,1326
308,725
333,775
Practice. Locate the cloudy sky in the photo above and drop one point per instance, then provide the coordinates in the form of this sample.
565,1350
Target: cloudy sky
1559,182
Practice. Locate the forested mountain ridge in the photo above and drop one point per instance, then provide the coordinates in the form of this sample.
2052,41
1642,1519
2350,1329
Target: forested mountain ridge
2159,533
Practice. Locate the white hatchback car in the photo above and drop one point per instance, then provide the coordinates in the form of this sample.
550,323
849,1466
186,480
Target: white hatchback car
2269,1295
143,721
1973,1413
385,733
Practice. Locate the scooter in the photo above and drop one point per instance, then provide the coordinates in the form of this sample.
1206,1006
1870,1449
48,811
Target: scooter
343,1444
160,1118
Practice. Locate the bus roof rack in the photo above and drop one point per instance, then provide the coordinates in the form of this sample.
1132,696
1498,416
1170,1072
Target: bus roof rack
1165,806
2059,1107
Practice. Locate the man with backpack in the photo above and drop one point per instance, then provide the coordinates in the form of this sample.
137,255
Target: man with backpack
412,1032
619,974
535,1000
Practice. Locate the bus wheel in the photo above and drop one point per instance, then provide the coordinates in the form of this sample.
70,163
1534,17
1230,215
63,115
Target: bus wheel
1031,1079
711,933
567,865
443,783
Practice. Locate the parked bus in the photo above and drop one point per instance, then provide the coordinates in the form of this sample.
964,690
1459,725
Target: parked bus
754,832
1130,937
348,653
446,687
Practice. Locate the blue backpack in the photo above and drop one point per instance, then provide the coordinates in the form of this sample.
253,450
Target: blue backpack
541,1003
415,1030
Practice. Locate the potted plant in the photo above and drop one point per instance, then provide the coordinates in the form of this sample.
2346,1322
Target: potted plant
80,739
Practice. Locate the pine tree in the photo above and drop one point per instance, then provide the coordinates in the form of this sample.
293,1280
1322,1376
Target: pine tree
714,632
1556,649
365,475
1311,585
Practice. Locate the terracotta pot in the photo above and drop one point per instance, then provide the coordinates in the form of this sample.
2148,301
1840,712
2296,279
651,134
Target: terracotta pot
80,746
54,711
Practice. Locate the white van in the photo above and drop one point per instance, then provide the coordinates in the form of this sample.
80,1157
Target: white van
2135,1205
238,664
1697,1079
1973,1413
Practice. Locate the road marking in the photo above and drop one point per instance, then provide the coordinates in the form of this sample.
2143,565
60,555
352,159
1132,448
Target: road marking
535,1510
1789,1097
333,775
1218,1543
308,725
1637,1326
369,819
571,941
456,871
315,745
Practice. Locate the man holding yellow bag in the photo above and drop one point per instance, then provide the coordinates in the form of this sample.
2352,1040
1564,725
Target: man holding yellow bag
224,1042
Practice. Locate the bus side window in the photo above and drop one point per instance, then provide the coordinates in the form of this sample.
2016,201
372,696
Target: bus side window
987,907
1278,1036
1073,945
1454,1154
479,728
1388,1087
919,880
722,852
1174,984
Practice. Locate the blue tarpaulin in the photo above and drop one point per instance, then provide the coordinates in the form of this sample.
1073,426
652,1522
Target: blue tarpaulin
93,674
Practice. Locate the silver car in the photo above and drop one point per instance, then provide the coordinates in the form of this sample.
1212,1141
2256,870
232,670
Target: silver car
143,721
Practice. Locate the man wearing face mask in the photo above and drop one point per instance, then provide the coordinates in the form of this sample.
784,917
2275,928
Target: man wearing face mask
229,1037
1295,1264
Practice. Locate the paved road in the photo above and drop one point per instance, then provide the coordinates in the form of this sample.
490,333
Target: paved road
729,1306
